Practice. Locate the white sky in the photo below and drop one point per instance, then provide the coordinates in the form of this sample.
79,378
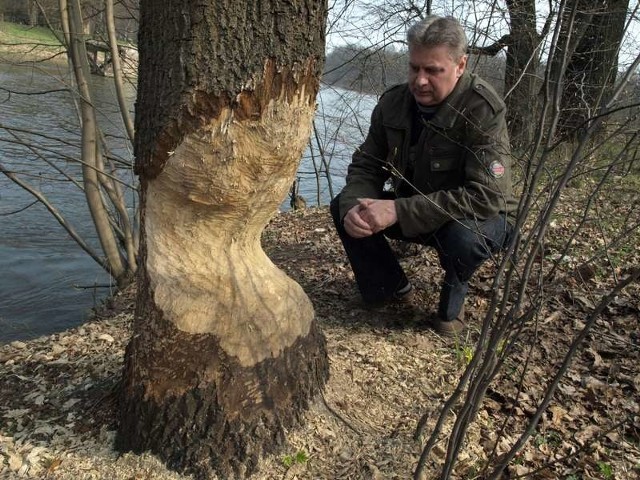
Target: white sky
358,24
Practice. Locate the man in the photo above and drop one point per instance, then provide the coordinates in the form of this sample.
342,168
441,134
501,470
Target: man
442,140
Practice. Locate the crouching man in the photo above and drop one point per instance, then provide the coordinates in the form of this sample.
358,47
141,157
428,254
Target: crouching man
442,140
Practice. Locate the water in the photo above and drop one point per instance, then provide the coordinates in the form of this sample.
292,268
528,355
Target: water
48,283
44,274
341,122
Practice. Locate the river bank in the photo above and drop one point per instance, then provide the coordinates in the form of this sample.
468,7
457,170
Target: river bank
58,393
48,283
23,44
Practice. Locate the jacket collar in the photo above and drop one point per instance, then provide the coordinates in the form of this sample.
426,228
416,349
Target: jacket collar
453,104
446,115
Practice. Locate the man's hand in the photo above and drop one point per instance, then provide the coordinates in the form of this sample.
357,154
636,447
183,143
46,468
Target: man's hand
355,225
379,214
370,216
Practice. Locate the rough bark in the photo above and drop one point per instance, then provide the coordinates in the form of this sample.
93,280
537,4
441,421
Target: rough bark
593,62
226,352
521,71
200,410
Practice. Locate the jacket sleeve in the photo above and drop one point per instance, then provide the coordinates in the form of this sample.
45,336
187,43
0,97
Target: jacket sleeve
486,189
366,174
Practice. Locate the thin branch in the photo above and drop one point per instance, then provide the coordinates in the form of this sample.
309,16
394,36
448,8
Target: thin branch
56,214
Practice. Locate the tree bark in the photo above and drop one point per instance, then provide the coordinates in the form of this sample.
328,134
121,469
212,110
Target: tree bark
89,145
591,70
226,352
521,79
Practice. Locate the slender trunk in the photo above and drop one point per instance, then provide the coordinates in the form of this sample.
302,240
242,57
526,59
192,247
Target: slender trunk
116,196
32,7
64,21
117,69
91,181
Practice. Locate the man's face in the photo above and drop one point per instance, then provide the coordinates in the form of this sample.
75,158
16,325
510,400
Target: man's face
433,74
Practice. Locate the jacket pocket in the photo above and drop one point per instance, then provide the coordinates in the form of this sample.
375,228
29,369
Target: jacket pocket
445,163
445,173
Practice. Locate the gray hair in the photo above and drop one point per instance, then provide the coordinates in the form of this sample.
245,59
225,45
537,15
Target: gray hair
434,31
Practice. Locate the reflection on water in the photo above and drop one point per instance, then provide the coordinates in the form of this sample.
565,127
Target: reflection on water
40,265
39,294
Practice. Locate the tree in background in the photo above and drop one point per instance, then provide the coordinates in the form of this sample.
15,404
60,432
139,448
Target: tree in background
592,60
28,12
226,352
522,81
107,195
585,61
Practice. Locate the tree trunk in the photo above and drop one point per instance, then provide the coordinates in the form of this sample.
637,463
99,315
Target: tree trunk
226,352
117,68
521,71
592,67
89,144
33,11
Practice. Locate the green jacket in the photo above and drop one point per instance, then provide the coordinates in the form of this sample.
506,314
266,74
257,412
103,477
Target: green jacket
460,167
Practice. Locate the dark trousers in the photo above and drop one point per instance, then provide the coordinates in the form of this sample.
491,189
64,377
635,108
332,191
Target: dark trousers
462,246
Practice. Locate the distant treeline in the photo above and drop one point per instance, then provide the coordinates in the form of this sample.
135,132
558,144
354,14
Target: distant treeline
46,13
365,69
373,70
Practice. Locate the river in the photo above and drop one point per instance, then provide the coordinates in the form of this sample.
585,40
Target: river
47,282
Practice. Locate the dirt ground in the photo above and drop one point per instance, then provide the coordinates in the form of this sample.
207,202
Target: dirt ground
388,370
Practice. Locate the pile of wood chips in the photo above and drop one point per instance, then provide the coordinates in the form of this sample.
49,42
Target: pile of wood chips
58,393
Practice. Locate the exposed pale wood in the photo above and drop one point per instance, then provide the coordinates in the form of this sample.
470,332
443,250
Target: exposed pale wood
205,213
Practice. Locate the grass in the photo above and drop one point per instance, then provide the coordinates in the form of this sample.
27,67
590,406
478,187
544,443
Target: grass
14,33
300,457
21,43
606,470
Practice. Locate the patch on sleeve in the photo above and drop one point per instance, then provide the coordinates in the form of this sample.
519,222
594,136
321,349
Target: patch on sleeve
497,169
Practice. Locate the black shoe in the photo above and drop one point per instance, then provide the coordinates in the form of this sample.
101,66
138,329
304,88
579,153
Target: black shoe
403,297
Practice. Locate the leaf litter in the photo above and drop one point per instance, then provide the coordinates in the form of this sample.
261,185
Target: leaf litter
58,393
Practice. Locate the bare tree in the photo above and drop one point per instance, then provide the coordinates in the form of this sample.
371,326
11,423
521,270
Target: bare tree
117,68
522,82
524,280
92,161
592,67
105,191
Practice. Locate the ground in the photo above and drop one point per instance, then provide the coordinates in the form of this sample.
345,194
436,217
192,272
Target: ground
388,371
23,44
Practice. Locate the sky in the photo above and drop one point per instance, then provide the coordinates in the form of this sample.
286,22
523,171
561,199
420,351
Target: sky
360,24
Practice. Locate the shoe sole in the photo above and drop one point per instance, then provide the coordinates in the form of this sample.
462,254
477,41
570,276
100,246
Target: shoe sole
451,328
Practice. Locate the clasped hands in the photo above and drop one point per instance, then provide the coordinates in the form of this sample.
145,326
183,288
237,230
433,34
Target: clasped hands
370,216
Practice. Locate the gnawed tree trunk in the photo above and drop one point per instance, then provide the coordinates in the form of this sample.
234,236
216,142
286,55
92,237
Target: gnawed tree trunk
226,353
